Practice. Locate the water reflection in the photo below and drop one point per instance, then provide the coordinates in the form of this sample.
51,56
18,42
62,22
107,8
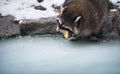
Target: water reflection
54,55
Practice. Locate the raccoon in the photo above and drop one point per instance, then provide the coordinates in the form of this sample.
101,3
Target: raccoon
81,17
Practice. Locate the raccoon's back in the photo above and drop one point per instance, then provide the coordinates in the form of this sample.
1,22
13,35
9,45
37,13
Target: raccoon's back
86,8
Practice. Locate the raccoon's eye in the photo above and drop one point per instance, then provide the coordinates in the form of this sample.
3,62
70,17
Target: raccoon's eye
66,27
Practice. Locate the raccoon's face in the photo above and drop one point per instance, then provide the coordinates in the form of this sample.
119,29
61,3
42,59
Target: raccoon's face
66,25
66,28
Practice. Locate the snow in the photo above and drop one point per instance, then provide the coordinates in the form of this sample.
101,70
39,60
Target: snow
114,1
113,10
24,9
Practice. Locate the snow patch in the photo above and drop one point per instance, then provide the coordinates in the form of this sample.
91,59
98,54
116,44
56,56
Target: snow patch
114,1
24,9
113,10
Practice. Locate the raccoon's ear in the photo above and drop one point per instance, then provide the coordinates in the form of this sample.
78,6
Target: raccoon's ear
77,21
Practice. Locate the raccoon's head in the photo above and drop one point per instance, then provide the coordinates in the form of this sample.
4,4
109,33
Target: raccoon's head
66,28
66,24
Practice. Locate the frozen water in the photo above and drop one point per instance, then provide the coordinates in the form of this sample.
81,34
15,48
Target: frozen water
54,55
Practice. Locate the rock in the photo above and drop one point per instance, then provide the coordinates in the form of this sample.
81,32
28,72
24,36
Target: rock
116,24
1,15
118,5
40,1
7,27
40,8
10,27
111,5
39,26
111,26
